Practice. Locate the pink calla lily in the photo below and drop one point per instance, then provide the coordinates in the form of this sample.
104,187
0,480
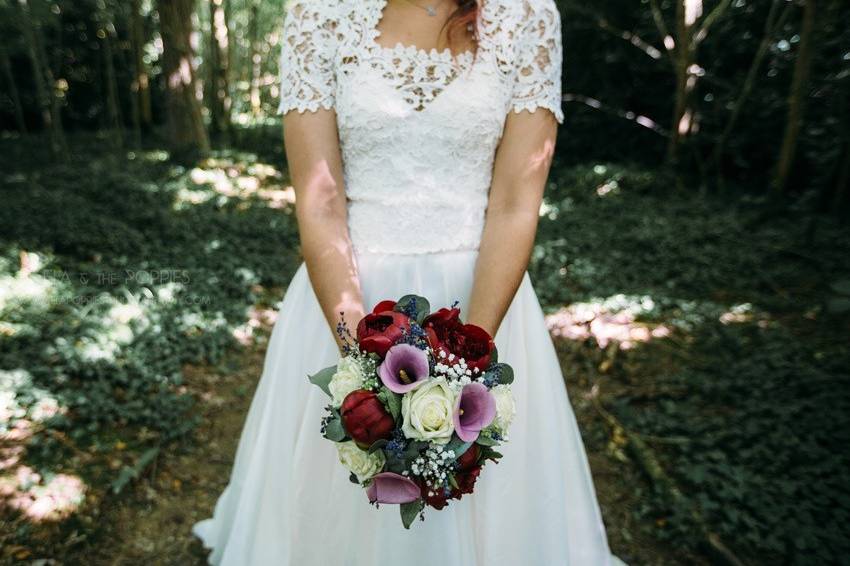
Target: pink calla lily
405,368
475,409
388,487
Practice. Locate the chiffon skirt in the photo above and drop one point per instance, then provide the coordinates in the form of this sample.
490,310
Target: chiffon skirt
289,501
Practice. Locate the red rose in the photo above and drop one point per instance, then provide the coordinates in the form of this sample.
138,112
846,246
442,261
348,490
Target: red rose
438,498
378,332
365,419
468,341
387,305
466,481
469,458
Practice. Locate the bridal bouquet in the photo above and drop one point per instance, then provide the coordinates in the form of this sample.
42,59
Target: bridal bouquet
418,403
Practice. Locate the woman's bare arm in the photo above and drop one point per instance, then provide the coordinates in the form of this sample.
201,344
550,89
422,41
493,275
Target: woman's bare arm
519,178
315,166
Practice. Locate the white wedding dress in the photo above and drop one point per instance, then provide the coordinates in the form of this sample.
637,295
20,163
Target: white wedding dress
418,131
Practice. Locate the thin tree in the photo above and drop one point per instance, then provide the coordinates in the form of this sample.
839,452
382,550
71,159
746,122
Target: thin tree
255,59
796,99
774,23
218,87
14,94
45,84
690,29
186,132
140,85
107,35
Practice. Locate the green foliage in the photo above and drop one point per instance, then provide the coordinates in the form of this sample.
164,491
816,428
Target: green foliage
409,512
322,379
749,394
132,268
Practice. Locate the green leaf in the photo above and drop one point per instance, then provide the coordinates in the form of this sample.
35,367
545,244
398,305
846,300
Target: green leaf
334,429
353,479
453,481
485,440
128,473
409,512
323,378
487,453
422,306
393,403
502,373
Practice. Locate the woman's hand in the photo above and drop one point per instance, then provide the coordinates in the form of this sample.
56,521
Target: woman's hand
520,171
315,167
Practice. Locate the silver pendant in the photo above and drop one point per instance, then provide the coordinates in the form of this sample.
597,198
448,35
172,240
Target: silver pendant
432,11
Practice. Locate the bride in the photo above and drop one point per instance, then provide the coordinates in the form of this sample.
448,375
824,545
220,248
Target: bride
419,135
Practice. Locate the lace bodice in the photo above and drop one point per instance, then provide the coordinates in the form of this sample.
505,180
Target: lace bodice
418,129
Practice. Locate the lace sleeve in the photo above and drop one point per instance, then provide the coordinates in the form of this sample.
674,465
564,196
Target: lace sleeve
307,75
539,55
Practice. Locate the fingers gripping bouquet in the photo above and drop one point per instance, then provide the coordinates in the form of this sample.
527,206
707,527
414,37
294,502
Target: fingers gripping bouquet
418,403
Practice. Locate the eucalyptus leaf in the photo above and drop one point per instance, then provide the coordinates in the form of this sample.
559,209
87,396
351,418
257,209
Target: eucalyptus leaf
506,374
353,479
422,306
323,379
409,512
334,430
485,440
458,445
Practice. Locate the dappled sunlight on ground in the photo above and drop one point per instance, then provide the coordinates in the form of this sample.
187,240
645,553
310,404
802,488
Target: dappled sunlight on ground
50,497
611,320
236,179
259,323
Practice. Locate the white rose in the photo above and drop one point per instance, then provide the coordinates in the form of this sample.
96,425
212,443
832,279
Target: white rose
360,462
348,378
427,412
505,407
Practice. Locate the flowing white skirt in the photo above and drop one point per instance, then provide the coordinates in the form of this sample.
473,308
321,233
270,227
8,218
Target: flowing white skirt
289,500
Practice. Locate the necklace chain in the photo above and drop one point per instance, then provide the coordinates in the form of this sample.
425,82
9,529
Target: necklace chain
431,9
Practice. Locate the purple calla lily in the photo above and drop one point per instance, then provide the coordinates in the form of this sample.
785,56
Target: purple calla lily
388,487
475,409
404,368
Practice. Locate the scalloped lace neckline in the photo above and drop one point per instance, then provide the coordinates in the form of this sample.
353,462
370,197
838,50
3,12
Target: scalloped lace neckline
399,49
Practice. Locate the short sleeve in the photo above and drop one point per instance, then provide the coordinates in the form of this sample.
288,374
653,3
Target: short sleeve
307,56
538,59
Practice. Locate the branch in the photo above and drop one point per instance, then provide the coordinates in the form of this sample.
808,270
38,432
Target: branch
638,119
710,20
659,19
629,36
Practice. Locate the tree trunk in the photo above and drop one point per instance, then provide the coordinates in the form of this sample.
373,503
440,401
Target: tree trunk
186,132
112,102
682,63
13,91
140,84
218,90
45,85
796,100
255,60
774,23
